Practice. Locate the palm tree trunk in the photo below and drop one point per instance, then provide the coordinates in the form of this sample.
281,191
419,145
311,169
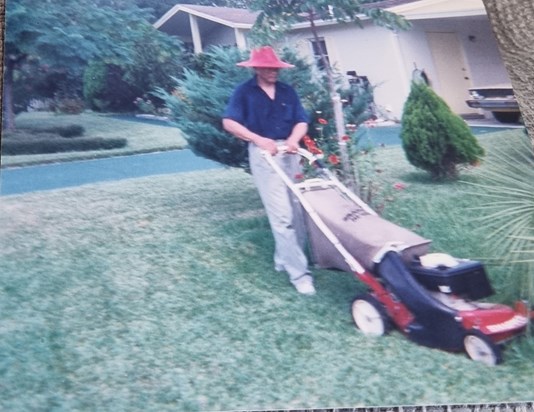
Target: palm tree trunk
513,25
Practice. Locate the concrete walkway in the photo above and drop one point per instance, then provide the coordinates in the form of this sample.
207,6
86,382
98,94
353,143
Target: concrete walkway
67,174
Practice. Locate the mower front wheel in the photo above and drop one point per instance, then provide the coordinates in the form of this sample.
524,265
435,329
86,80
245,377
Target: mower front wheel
369,316
480,348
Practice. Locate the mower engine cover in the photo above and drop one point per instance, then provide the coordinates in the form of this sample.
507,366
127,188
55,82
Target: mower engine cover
467,278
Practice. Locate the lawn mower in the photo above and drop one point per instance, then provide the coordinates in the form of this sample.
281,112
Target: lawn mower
432,298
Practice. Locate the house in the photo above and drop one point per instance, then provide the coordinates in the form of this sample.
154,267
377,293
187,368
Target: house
450,40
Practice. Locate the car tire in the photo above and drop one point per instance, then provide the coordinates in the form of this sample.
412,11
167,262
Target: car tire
507,117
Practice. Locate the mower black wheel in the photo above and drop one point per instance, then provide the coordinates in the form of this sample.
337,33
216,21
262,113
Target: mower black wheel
370,316
481,348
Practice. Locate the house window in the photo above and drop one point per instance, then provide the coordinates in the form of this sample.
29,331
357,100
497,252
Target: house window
318,47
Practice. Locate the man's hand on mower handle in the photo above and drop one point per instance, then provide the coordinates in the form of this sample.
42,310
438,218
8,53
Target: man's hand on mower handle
291,147
269,145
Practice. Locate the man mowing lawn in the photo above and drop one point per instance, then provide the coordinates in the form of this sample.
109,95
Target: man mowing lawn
267,113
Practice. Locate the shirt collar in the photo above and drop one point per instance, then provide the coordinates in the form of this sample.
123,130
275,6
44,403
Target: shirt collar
254,82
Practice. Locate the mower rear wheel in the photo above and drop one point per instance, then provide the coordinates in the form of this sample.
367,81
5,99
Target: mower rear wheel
369,316
480,348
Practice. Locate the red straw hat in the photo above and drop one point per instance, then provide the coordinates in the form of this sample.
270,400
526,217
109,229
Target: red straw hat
264,57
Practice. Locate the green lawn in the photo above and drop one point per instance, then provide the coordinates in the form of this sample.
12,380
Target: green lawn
159,294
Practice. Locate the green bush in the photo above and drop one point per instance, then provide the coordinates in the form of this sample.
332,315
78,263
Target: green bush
435,139
105,89
69,105
48,140
94,82
56,145
70,130
199,100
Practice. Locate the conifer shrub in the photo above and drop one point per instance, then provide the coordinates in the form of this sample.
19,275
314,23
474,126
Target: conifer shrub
200,97
433,137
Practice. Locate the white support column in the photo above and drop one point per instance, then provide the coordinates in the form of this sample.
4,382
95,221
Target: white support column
240,39
195,34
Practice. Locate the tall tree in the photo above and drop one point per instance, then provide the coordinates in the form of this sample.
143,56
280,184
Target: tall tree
277,16
515,36
64,35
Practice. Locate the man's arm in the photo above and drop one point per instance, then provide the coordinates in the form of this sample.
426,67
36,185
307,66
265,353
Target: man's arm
241,132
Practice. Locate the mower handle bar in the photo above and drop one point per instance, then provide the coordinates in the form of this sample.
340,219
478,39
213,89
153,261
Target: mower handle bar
309,156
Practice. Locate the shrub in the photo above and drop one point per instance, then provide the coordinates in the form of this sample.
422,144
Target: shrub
52,144
94,82
70,130
105,89
69,105
433,138
47,140
200,98
145,105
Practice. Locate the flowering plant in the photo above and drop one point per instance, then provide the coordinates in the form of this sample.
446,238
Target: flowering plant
145,105
370,188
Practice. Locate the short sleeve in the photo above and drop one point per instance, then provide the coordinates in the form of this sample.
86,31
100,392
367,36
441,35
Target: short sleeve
235,109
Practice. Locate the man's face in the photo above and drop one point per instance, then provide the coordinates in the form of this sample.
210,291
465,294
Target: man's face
267,74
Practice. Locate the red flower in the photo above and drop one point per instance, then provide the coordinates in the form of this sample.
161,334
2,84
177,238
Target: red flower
333,159
311,146
345,138
307,140
399,186
322,121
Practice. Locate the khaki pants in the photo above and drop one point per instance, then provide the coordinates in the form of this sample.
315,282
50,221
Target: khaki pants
283,210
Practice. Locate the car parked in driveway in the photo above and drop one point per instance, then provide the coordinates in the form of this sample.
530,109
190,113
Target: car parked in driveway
499,100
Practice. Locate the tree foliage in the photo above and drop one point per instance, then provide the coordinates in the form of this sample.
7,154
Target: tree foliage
280,15
62,36
113,85
433,137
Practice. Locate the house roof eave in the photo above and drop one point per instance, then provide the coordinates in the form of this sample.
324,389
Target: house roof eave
428,16
439,9
197,11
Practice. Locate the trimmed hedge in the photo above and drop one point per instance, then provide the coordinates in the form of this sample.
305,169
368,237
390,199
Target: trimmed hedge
56,145
70,130
55,139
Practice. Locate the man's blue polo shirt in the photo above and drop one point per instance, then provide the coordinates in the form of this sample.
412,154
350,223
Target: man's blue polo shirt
251,107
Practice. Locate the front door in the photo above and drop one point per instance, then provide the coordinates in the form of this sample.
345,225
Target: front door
454,79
